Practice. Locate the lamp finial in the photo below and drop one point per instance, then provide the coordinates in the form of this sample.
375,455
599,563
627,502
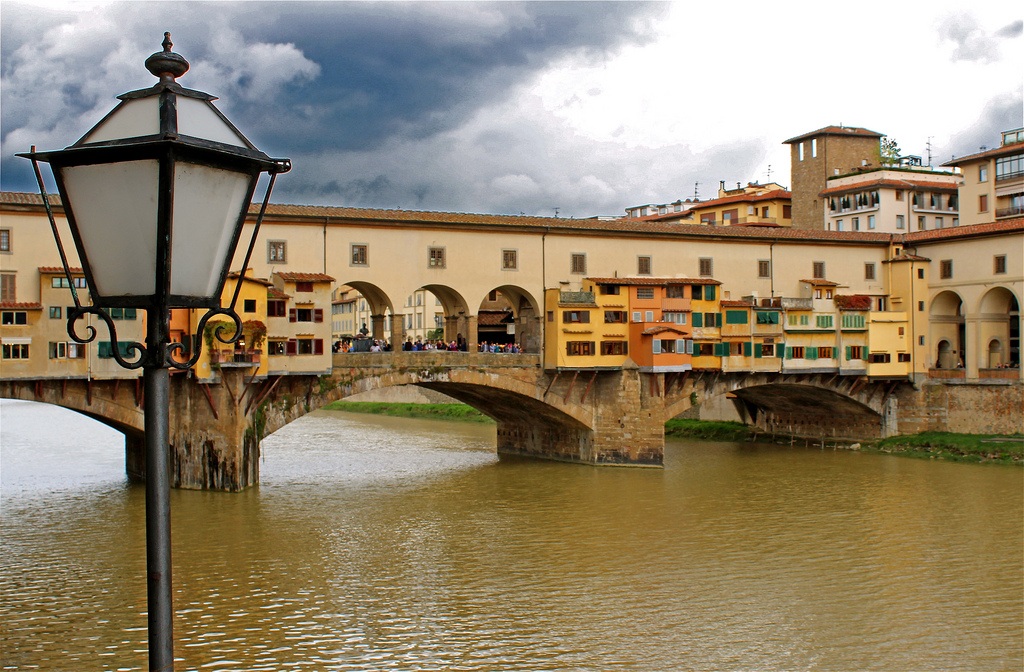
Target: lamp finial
166,64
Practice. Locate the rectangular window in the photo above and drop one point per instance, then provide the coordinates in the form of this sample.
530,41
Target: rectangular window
614,317
58,350
983,203
675,317
579,348
839,225
853,321
855,222
577,263
15,351
871,222
275,308
576,316
795,352
900,222
767,317
249,306
614,348
921,223
13,317
880,358
946,269
5,240
903,357
800,152
787,212
643,265
764,268
939,222
899,195
55,312
608,290
277,251
360,254
814,147
823,321
303,286
435,257
818,270
637,316
8,286
1009,166
509,260
736,317
675,292
869,271
645,292
998,263
706,267
826,352
982,173
712,319
648,316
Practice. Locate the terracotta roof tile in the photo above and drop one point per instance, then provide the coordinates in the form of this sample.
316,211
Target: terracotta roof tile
490,318
890,183
58,269
289,276
15,305
1000,226
275,293
777,194
835,130
905,257
737,304
821,282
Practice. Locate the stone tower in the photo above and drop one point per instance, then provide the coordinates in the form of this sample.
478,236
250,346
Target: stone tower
817,156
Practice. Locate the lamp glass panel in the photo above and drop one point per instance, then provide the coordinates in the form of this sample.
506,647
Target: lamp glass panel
198,119
207,205
130,119
115,208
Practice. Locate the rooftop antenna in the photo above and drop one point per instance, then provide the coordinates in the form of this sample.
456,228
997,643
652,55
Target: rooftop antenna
696,191
556,211
769,172
928,146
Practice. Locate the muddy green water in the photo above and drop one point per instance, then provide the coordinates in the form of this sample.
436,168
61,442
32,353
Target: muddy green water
391,544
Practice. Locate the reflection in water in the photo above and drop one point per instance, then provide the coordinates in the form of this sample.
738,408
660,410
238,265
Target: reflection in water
390,544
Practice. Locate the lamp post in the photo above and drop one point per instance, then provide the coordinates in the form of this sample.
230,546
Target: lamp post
156,195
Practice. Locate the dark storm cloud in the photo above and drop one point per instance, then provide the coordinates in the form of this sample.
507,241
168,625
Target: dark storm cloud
296,77
1000,114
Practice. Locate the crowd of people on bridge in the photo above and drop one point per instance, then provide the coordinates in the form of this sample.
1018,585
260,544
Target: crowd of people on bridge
420,345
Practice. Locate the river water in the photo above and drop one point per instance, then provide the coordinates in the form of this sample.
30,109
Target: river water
393,544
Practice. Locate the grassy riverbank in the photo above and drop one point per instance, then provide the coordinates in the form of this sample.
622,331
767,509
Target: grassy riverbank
456,412
928,445
1002,449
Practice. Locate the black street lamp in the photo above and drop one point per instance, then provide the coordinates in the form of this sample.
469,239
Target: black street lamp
163,178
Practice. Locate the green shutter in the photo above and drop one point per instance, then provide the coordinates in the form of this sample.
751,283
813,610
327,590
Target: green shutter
709,292
747,348
735,317
849,353
103,350
812,353
758,350
789,352
698,320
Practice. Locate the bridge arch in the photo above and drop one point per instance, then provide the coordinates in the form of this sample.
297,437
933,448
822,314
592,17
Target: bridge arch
948,329
510,305
998,318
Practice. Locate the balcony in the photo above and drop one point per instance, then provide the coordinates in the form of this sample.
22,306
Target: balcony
576,299
1012,211
240,358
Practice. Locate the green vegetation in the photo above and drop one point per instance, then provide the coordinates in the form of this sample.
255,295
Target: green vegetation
457,412
956,447
703,429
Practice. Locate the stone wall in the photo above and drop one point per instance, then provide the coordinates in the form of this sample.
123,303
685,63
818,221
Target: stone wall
965,408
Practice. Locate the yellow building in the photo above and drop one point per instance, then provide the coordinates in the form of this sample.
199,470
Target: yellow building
298,335
249,351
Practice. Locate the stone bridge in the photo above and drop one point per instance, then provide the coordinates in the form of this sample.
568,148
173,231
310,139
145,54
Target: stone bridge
590,417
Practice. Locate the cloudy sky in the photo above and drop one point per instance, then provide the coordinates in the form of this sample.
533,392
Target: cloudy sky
524,107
